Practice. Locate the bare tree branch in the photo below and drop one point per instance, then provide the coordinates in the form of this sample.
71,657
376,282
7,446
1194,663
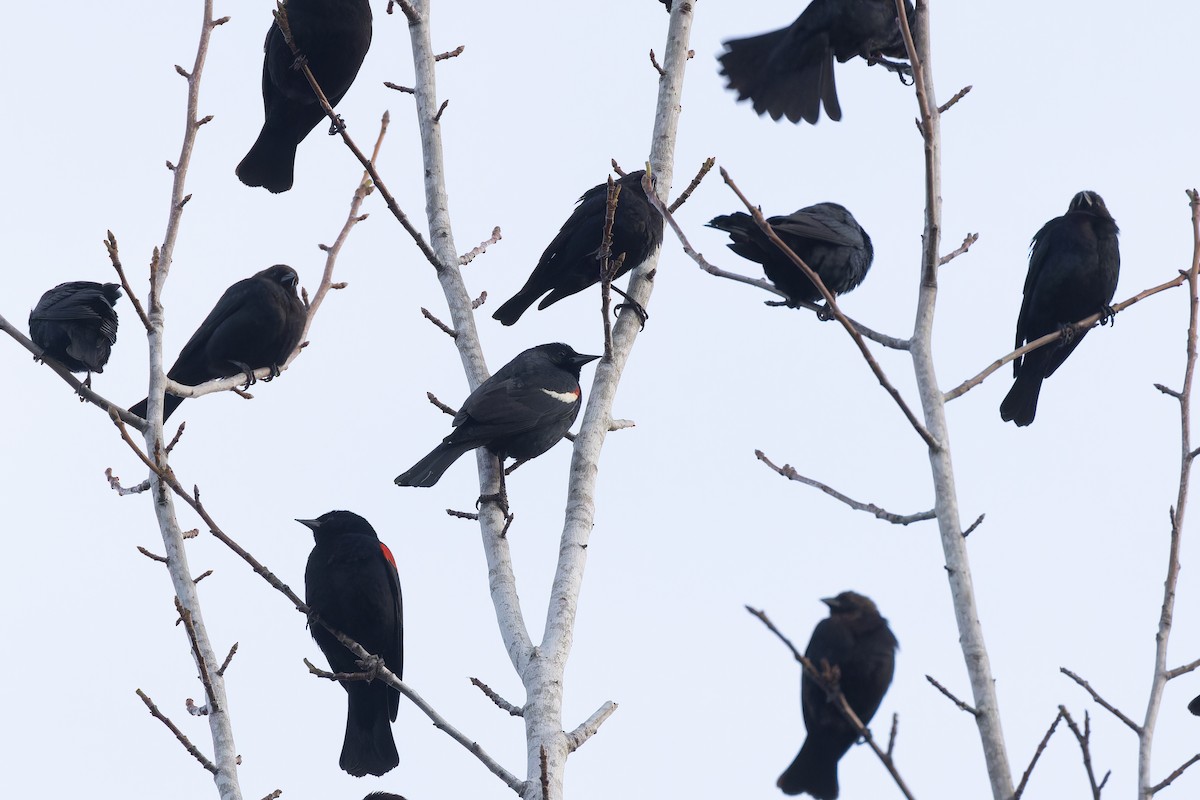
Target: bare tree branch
1133,726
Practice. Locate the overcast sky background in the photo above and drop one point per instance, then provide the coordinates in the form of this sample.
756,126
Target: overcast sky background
1069,95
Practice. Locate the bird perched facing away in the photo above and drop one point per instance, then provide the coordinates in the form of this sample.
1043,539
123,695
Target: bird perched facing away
75,323
352,584
521,411
789,72
826,236
1074,263
857,641
333,36
256,323
572,261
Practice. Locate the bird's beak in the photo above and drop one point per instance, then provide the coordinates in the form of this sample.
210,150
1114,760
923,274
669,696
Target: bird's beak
832,602
579,359
311,524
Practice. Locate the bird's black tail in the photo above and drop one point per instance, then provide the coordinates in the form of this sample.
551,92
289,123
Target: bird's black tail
270,162
170,403
1020,404
368,748
782,78
89,349
739,225
814,770
512,310
429,469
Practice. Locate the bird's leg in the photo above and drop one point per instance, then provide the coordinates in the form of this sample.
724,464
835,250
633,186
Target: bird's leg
275,373
337,127
248,371
299,62
1108,314
1067,333
87,382
633,305
500,498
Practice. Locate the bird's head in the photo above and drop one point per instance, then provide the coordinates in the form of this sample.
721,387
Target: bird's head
338,523
564,356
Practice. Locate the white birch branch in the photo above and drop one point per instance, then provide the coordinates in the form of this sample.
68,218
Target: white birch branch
220,725
958,568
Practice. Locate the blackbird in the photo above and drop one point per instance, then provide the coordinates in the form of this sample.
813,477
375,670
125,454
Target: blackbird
826,236
572,261
351,583
521,411
75,323
856,641
333,37
256,323
789,72
1074,263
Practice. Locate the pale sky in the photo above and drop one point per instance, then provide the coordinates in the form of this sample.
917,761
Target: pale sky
1068,566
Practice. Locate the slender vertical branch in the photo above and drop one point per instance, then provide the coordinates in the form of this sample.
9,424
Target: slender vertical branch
958,569
491,521
220,726
1146,785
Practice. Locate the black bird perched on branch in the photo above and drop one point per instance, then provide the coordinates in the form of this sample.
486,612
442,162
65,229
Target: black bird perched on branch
333,37
520,412
572,261
856,641
826,236
789,72
75,323
1074,263
351,583
256,323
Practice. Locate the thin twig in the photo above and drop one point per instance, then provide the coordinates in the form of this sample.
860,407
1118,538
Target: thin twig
446,329
110,246
186,616
183,740
705,168
1084,739
835,696
225,664
1133,726
500,702
469,256
1158,787
959,95
588,728
1083,325
761,283
971,238
340,127
790,473
832,306
152,556
1036,755
973,712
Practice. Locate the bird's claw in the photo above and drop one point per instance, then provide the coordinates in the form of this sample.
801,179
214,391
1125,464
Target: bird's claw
337,127
1108,314
299,62
371,666
636,308
500,498
248,371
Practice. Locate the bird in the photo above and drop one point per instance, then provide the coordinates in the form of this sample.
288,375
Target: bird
351,583
520,412
571,263
256,323
1074,263
75,323
1194,706
826,236
333,37
383,796
789,72
856,641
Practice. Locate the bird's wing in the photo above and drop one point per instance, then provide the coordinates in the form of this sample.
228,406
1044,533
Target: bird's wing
192,355
395,655
512,405
818,227
1041,250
